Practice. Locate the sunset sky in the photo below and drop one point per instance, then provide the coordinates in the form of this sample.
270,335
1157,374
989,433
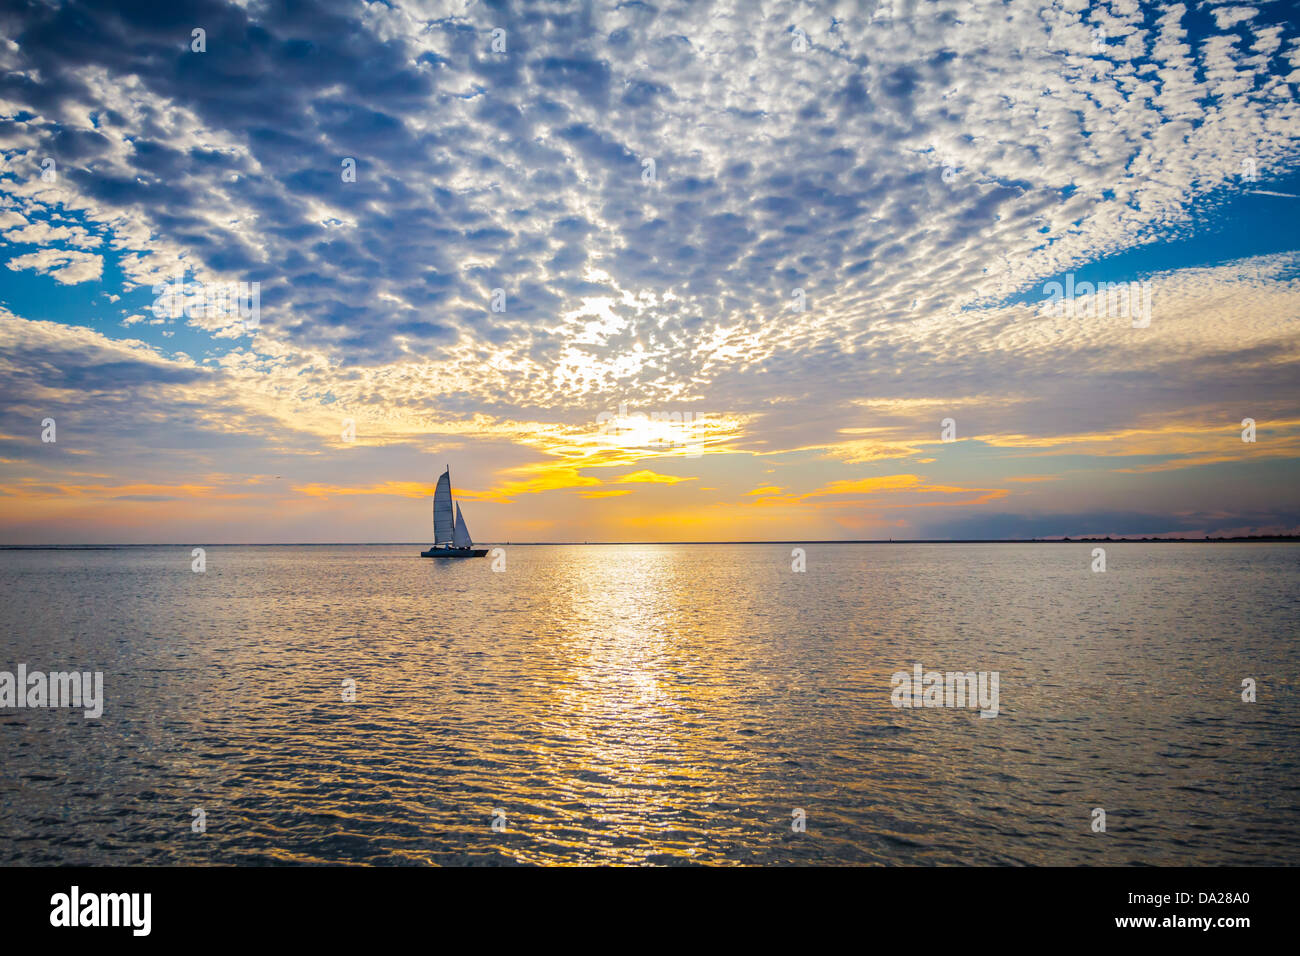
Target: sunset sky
648,184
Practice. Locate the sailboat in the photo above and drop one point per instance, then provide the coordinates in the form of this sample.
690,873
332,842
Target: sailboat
450,538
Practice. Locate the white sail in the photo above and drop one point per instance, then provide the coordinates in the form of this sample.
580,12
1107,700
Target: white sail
461,538
443,530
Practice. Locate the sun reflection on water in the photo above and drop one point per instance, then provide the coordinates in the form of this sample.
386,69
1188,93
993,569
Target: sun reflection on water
618,653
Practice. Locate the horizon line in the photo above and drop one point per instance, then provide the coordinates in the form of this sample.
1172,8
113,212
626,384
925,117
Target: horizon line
1089,539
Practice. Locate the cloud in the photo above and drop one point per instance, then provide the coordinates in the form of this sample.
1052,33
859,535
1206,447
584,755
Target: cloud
646,476
1228,17
825,250
67,267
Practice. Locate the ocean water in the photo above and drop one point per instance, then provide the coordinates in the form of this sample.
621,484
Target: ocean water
655,704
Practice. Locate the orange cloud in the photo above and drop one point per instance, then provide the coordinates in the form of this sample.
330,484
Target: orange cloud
865,485
37,489
400,489
649,477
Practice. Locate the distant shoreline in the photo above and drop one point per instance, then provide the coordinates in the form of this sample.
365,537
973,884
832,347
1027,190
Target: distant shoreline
1240,539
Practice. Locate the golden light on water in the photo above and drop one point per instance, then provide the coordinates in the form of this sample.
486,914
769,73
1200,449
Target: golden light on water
624,652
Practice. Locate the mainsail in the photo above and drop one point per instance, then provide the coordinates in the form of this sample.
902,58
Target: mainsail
461,538
443,530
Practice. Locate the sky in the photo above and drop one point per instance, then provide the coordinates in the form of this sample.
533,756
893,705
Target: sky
648,271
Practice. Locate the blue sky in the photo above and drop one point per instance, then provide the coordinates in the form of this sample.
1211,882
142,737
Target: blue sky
655,189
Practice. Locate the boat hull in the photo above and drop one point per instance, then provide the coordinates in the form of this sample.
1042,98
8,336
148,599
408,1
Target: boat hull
454,553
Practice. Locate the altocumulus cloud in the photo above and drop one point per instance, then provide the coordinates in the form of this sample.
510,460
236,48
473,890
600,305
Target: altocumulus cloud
649,185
